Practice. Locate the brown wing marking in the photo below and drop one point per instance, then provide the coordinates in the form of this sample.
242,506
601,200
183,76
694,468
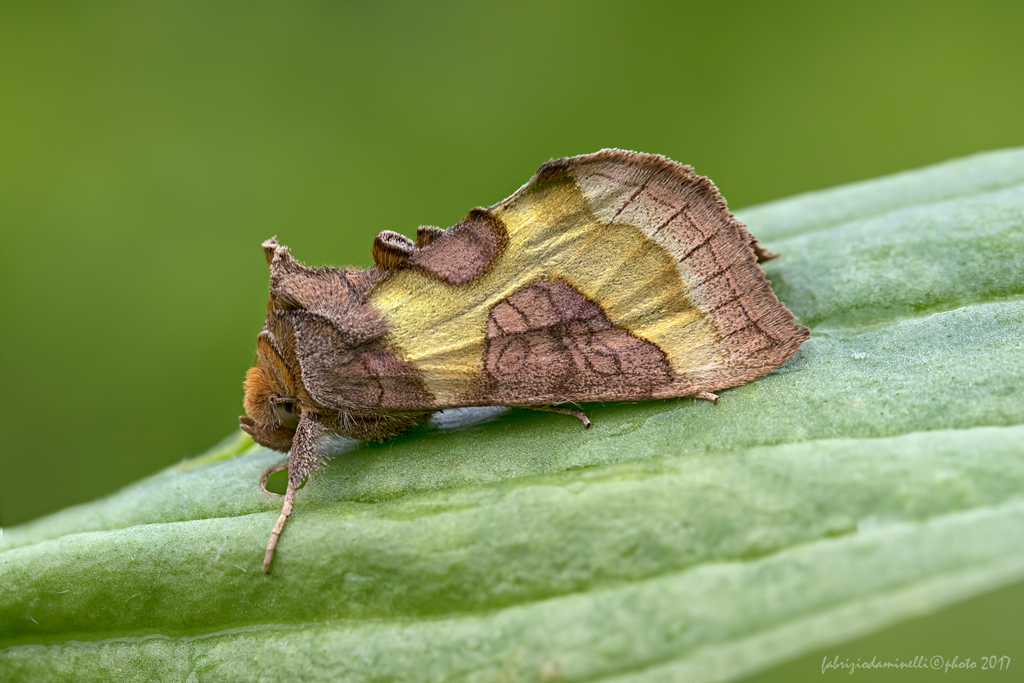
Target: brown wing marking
549,340
717,255
464,251
360,376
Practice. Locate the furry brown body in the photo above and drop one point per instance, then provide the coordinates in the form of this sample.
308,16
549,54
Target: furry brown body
611,276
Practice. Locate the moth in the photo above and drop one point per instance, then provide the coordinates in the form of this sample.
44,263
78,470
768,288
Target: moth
611,276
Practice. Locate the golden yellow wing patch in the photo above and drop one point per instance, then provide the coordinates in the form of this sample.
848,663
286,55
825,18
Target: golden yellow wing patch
642,238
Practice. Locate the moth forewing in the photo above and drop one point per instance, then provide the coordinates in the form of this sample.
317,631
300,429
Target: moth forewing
610,276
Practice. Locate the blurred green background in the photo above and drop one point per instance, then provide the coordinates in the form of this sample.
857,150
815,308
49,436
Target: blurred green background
146,149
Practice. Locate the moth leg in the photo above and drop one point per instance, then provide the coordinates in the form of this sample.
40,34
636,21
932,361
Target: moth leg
286,512
707,396
303,459
578,414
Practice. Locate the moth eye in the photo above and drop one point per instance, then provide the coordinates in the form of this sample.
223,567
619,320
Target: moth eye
285,412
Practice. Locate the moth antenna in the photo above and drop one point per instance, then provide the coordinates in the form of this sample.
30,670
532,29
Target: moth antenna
286,512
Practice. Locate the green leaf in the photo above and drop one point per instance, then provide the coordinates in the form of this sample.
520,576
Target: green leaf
875,477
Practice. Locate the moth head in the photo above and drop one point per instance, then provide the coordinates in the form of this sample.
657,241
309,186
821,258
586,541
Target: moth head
273,403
